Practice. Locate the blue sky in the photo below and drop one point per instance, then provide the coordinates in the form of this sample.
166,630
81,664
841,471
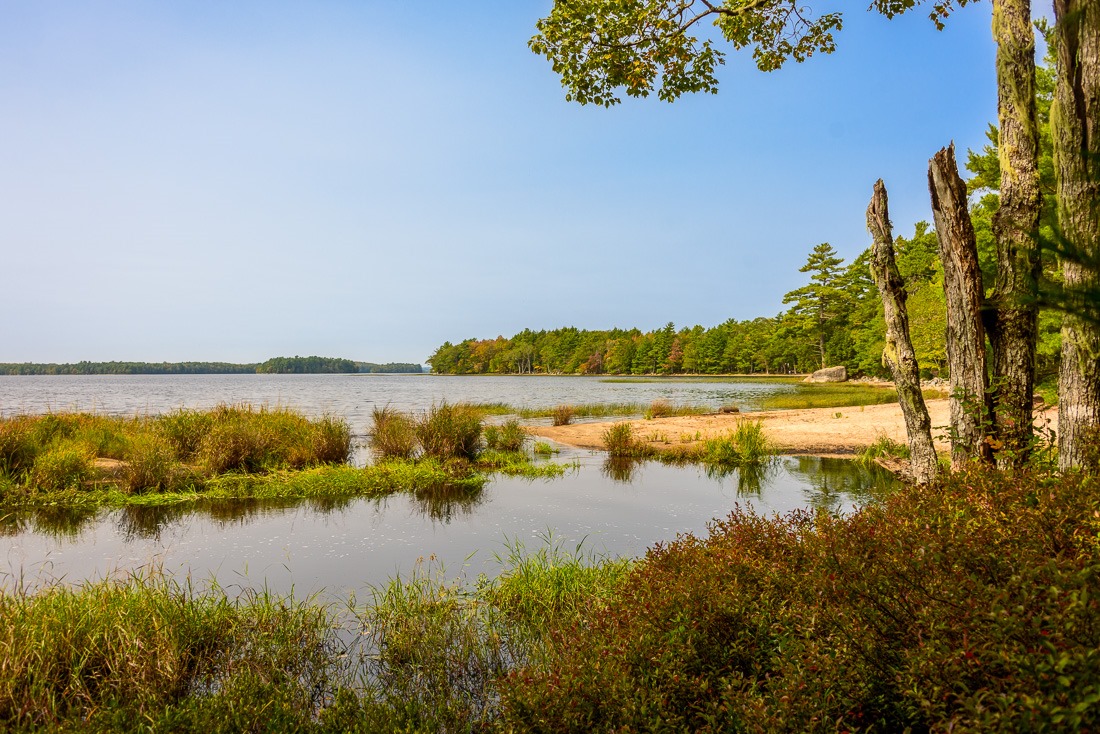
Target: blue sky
234,181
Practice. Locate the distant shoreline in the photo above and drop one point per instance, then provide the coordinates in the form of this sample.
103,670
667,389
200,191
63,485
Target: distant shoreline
312,365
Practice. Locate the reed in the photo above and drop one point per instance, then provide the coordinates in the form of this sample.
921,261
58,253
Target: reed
448,431
392,435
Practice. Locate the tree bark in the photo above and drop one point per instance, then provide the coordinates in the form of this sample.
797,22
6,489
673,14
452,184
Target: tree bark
899,354
962,284
1075,125
1013,321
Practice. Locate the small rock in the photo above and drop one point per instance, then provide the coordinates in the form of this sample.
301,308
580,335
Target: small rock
729,409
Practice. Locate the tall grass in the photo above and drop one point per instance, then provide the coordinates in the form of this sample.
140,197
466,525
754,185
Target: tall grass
145,651
58,452
448,431
392,435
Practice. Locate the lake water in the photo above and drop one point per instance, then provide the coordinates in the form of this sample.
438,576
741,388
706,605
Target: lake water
334,548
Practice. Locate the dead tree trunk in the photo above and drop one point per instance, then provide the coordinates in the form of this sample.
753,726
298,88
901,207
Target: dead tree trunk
962,284
1013,323
899,354
1075,126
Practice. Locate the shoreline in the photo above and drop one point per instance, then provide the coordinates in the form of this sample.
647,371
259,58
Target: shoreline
823,432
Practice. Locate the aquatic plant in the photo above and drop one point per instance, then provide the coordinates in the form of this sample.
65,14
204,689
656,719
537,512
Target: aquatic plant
392,434
562,415
509,436
449,432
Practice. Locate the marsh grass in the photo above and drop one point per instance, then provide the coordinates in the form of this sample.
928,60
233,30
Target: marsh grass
110,654
447,431
883,447
392,435
562,415
53,453
620,443
509,436
837,396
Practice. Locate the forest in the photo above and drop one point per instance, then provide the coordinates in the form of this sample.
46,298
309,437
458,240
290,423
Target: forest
275,365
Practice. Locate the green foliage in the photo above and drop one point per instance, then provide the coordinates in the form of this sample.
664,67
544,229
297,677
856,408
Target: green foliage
599,48
57,452
838,395
884,447
745,445
307,365
620,443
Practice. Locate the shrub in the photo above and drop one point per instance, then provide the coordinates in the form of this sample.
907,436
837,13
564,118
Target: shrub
449,432
542,448
965,606
562,415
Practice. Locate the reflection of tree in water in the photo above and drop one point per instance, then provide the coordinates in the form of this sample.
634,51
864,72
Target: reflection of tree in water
620,468
443,502
751,478
837,482
148,522
57,521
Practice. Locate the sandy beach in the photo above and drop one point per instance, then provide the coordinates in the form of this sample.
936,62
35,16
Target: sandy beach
817,431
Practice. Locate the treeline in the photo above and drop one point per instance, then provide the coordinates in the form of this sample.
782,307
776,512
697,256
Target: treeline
835,319
276,365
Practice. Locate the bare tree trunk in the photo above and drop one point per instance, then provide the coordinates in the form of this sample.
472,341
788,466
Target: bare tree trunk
1013,322
1075,125
899,354
962,284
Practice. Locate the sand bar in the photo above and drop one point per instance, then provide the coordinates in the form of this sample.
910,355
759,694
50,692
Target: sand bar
817,431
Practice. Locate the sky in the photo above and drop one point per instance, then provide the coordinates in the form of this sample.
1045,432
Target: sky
218,181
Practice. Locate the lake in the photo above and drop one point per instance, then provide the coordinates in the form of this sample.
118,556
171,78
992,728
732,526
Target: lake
336,548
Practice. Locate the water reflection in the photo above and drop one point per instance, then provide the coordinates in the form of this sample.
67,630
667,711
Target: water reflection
443,503
834,483
621,469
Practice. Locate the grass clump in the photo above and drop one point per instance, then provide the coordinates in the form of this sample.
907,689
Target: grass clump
562,415
392,435
659,408
884,447
41,456
620,443
449,432
507,437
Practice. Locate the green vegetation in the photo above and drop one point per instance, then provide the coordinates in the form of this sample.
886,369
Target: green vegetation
242,452
276,365
838,395
147,653
884,447
566,413
966,605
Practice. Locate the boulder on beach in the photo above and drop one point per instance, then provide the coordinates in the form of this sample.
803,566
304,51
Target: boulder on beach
829,374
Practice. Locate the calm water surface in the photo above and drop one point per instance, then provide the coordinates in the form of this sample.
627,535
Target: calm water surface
334,548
